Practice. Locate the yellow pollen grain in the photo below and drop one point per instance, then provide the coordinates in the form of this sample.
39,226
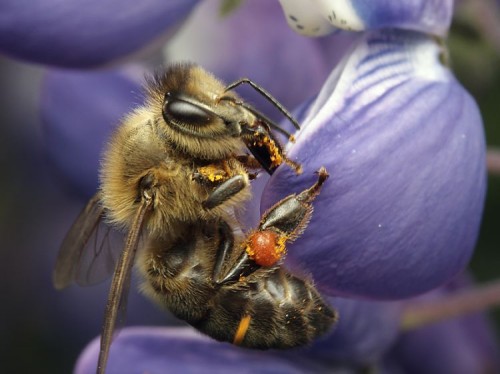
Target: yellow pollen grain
212,173
214,177
280,245
250,251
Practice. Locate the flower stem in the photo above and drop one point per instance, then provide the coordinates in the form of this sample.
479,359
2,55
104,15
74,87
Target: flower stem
493,161
421,313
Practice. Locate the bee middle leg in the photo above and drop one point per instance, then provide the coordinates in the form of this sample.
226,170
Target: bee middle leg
226,190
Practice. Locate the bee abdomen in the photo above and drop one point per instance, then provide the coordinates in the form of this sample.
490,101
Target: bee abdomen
283,312
177,275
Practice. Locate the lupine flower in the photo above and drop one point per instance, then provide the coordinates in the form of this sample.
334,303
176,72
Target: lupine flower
400,137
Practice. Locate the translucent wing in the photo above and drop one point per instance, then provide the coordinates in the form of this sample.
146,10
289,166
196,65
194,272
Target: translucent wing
90,249
118,292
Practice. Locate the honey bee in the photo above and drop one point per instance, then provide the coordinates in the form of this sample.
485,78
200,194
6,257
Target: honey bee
173,173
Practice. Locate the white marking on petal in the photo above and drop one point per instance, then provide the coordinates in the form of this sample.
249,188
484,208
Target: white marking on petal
424,56
386,61
306,18
341,14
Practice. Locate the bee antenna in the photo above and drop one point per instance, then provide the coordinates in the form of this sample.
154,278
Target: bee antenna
267,95
266,119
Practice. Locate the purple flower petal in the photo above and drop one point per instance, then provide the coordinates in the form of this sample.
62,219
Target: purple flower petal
404,145
79,111
428,16
75,34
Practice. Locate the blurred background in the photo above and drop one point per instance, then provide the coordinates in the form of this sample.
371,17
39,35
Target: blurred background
43,330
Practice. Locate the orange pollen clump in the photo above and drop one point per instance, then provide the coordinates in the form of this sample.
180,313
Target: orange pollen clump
266,247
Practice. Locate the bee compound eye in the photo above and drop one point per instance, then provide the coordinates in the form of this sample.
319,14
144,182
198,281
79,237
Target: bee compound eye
184,111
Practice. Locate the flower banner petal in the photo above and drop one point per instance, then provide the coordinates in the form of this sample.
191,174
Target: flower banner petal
72,33
404,145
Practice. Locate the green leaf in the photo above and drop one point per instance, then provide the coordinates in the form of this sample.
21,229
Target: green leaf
228,6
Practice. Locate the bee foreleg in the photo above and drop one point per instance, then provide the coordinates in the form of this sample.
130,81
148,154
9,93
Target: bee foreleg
225,191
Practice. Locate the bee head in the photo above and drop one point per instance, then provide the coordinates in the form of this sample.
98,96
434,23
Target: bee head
193,117
205,119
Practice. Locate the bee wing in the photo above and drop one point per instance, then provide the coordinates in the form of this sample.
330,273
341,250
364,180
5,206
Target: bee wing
89,251
118,292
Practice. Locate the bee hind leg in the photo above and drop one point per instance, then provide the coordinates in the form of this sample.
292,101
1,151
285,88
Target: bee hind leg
224,254
282,223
